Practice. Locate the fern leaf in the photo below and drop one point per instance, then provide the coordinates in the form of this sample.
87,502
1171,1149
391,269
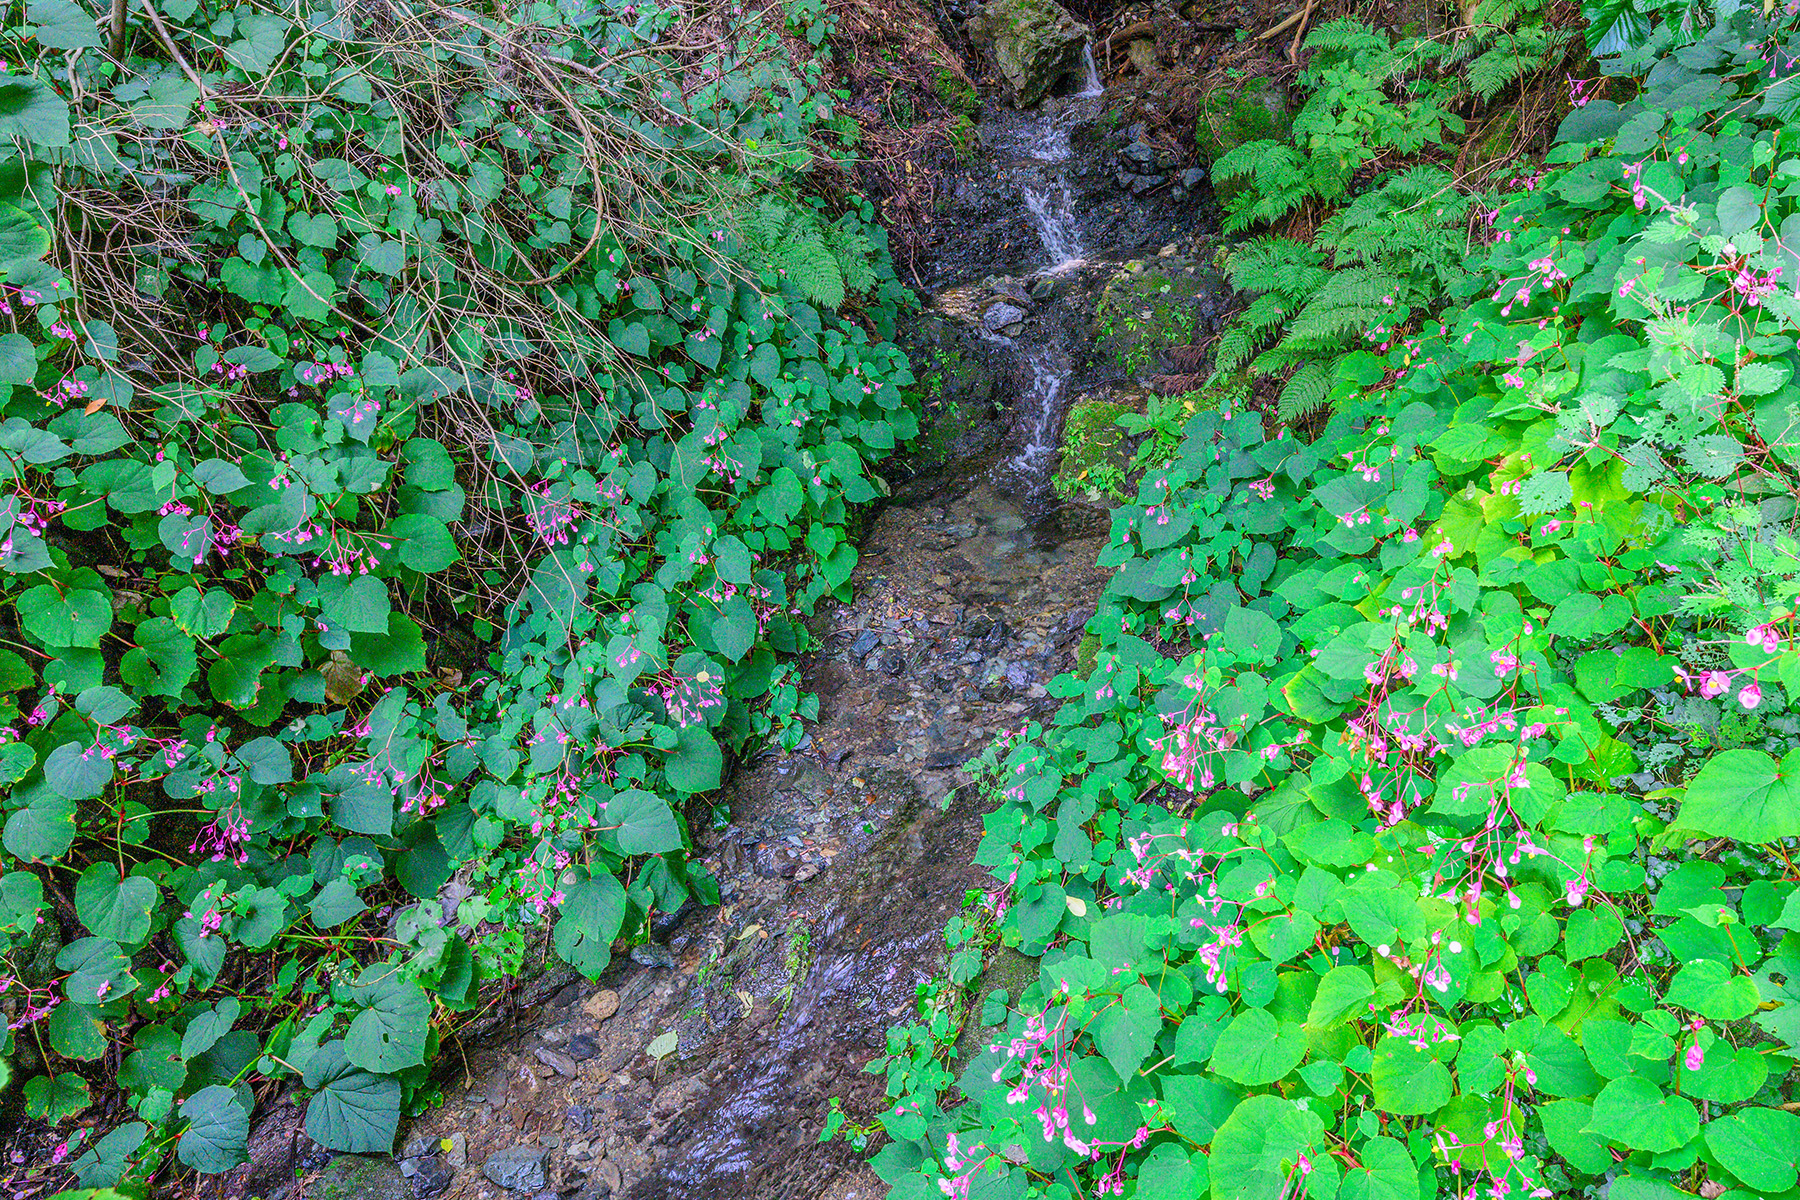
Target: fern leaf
1306,392
809,264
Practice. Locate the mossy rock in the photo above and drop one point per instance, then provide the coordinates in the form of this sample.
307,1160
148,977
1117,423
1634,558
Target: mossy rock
1087,655
1093,447
359,1177
1008,970
1036,44
1149,308
956,93
1256,110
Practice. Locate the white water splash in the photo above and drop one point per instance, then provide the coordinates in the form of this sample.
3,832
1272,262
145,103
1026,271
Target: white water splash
1053,208
1090,82
1049,138
1048,372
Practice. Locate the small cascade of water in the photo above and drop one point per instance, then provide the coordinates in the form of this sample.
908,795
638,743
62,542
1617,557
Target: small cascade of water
1053,208
1090,81
1041,406
1051,203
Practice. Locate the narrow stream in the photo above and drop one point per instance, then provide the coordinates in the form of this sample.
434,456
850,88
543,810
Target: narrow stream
702,1068
1051,204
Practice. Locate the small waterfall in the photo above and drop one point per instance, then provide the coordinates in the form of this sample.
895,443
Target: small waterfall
1053,208
1090,81
1049,372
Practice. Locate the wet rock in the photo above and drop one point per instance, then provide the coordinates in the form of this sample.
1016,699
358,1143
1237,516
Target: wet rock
601,1005
665,923
778,860
1008,319
865,642
431,1176
580,1118
582,1047
520,1168
893,663
562,1064
1143,154
652,955
1036,44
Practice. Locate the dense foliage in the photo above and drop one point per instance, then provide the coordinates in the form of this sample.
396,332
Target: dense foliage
422,427
1393,248
1427,824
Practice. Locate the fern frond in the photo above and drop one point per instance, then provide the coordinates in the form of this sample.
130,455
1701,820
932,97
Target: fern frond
1275,264
1345,36
810,265
855,256
1267,312
1236,345
1278,359
1306,392
1241,162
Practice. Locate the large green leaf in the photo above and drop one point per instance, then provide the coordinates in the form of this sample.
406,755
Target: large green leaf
424,542
33,114
645,823
98,971
389,1034
351,1110
1343,994
105,1162
112,907
202,614
218,1131
589,920
41,830
1744,794
1257,1151
78,772
359,605
1256,1049
697,764
1407,1079
62,618
1712,989
1761,1146
336,903
1634,1113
